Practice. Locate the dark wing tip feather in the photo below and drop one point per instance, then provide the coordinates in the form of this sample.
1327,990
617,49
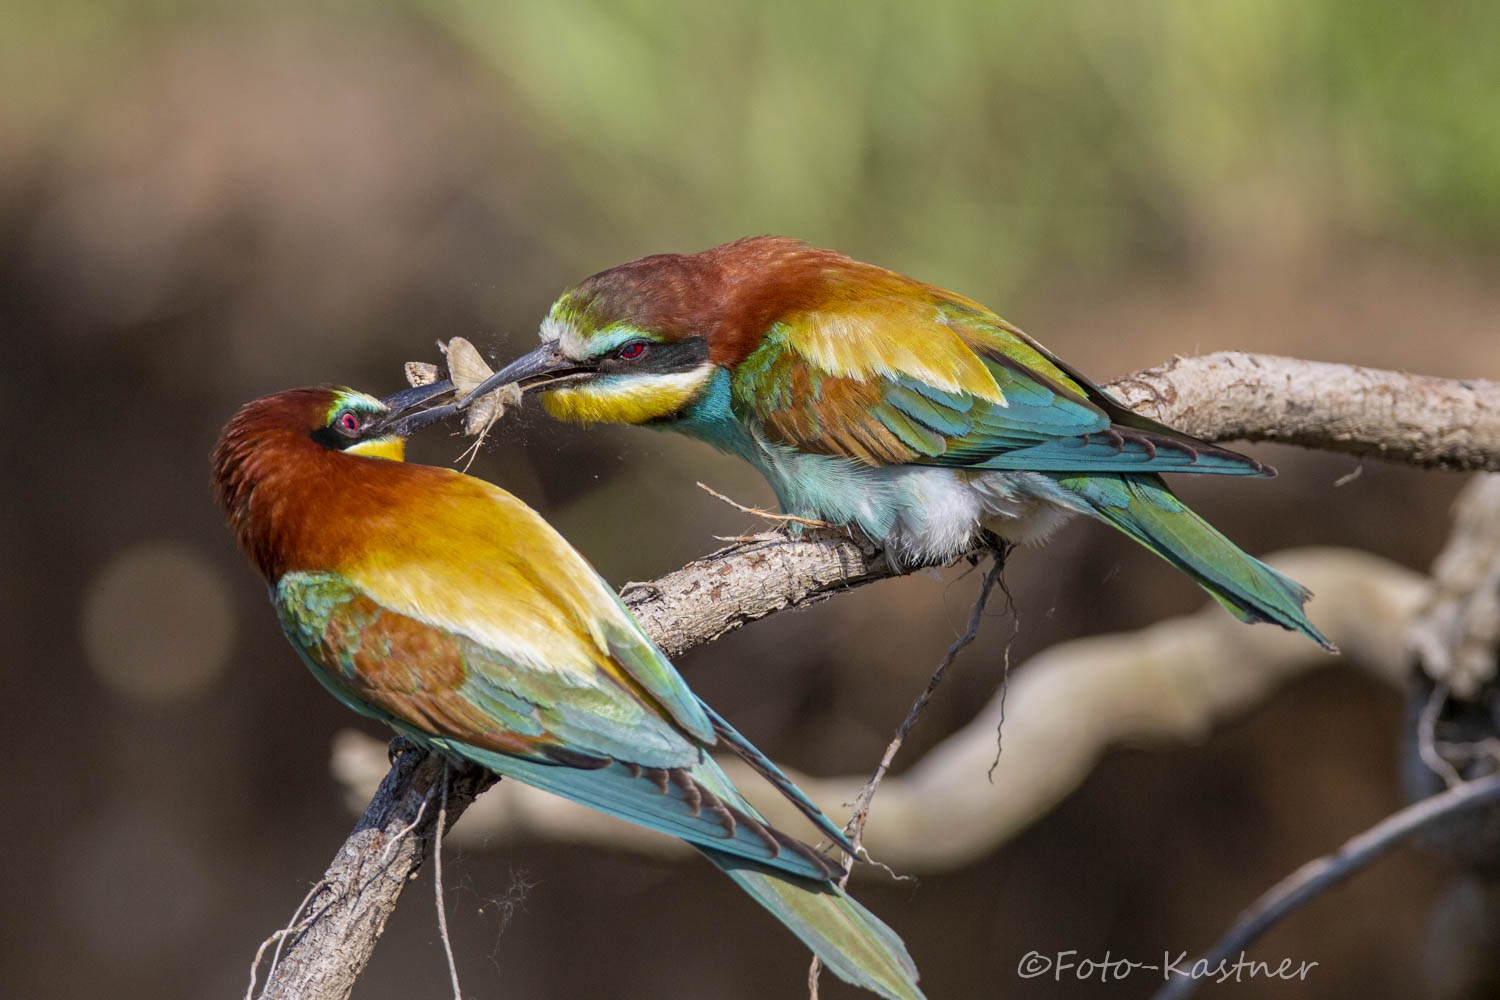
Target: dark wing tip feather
831,868
736,822
1194,451
763,766
692,792
575,758
719,810
1128,428
778,843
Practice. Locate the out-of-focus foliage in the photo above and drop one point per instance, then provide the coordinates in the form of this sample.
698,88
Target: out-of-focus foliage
967,132
979,140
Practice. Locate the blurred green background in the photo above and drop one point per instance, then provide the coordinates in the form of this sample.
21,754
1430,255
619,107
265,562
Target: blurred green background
200,204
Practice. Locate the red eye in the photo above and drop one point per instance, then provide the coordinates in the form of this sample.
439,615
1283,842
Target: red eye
347,423
631,351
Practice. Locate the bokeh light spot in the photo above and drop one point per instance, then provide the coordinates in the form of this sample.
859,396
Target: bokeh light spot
157,622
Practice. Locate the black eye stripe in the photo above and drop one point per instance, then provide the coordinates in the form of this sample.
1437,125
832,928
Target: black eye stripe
658,358
345,428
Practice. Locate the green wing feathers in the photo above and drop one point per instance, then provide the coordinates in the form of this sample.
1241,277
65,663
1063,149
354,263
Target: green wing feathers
781,874
605,739
695,804
852,942
1143,508
948,385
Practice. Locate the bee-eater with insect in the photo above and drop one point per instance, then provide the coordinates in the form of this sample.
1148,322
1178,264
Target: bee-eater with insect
442,605
872,400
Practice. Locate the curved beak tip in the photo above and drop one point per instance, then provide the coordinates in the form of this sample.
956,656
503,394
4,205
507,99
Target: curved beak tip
538,369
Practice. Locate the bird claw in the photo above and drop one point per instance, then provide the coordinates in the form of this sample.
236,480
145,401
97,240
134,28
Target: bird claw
398,746
992,545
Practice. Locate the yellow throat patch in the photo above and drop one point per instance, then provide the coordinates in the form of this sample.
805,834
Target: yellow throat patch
626,399
392,448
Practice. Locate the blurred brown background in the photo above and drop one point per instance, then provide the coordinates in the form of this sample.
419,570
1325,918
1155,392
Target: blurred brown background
199,205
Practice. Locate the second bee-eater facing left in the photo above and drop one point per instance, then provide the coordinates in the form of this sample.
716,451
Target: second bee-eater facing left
442,605
872,400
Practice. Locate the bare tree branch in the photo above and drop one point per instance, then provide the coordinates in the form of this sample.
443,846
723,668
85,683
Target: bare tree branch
1167,684
358,892
1456,642
1424,421
748,581
1322,874
1452,641
1417,419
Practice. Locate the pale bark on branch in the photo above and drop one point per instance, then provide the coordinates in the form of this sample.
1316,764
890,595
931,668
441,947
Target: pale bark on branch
347,910
1371,412
1414,419
1457,639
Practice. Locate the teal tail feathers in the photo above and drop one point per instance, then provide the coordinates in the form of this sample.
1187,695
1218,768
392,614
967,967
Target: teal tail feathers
697,804
852,942
1144,508
788,878
763,766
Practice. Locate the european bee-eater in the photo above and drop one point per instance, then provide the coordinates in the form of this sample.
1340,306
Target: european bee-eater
442,605
876,401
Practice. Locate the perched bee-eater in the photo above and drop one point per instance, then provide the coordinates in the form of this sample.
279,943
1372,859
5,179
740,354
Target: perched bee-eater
876,401
442,605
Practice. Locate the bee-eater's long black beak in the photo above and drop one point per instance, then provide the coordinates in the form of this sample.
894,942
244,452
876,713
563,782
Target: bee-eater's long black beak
546,366
407,413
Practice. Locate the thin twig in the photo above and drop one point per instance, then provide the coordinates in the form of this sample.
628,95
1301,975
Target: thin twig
769,515
1015,630
1322,874
1427,747
363,882
856,825
279,938
855,828
401,834
437,882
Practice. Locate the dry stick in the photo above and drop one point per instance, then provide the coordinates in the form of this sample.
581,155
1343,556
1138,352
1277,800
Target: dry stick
856,825
1417,419
1015,630
1430,422
1322,874
768,515
1427,743
400,835
362,884
437,885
